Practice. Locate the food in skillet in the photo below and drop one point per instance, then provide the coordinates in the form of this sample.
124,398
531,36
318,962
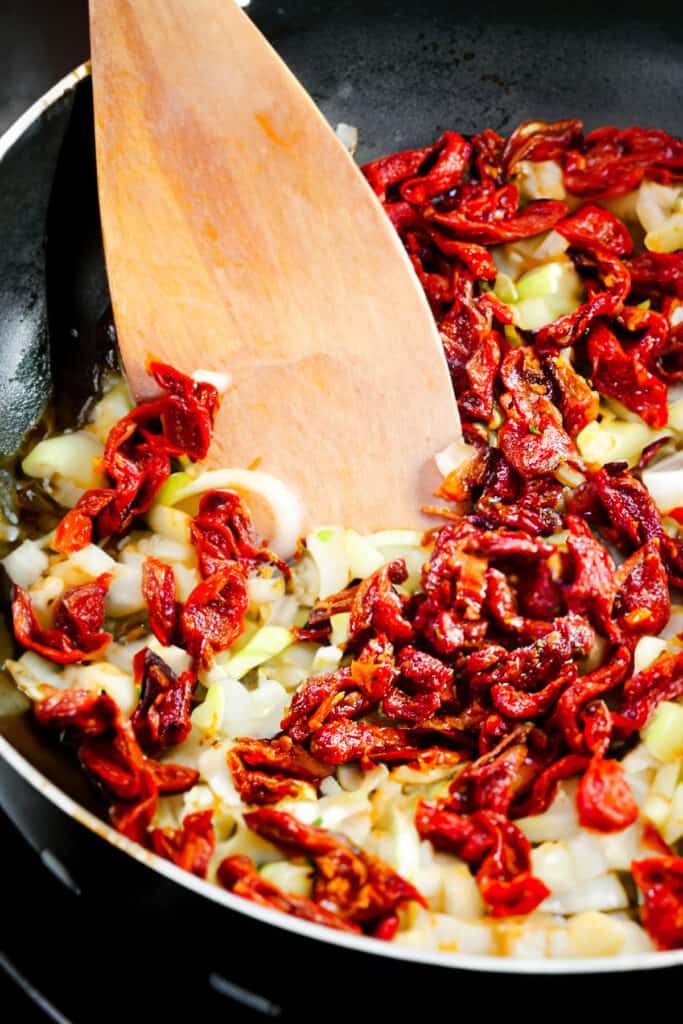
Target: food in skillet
470,740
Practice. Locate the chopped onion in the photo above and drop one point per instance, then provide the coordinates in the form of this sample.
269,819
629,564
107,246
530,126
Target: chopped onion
293,878
663,735
457,454
265,644
603,893
646,652
327,547
348,136
68,455
26,564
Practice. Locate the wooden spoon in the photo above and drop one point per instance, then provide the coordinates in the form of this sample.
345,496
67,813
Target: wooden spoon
240,237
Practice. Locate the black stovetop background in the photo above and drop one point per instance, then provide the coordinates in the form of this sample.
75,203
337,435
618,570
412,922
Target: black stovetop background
41,40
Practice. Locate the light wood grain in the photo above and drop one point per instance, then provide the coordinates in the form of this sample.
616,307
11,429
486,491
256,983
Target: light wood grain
240,237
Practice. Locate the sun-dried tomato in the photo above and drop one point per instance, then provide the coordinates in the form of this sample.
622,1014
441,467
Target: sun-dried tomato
162,716
488,149
622,375
662,680
344,740
159,591
452,155
265,771
538,141
533,438
643,603
604,799
545,786
239,875
77,631
593,582
585,689
191,846
495,847
213,615
613,161
222,532
593,226
377,605
76,712
492,781
654,273
575,399
489,216
137,457
660,879
349,881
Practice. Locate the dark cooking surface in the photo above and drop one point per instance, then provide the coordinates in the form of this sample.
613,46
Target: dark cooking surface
401,72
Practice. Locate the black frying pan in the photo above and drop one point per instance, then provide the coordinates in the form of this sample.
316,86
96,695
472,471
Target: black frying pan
401,72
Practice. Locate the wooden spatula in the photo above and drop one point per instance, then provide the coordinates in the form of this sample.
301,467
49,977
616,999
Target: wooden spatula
240,237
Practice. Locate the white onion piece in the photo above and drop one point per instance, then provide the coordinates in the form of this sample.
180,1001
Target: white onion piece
26,564
664,481
454,456
283,504
348,136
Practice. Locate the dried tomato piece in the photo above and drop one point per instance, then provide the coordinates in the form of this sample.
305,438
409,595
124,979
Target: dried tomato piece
488,149
660,879
593,226
533,438
594,576
545,786
613,161
576,400
646,689
76,634
495,847
351,882
265,771
344,740
654,273
515,703
537,141
76,528
159,590
377,606
134,819
173,778
162,716
493,780
585,689
213,615
604,799
490,216
643,602
452,154
622,375
388,171
191,846
222,532
78,712
189,412
239,875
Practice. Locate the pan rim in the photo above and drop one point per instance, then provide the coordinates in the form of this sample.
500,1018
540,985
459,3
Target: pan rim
361,944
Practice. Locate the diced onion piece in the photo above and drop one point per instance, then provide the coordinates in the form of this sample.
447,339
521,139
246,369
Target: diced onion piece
560,821
647,650
362,556
540,179
676,415
32,673
264,590
504,288
92,561
664,481
256,712
452,457
209,714
112,407
284,507
221,381
69,455
663,734
655,204
673,830
292,878
545,280
603,893
265,644
554,865
175,657
327,548
326,660
125,596
174,485
552,245
667,238
348,136
616,441
170,522
166,550
461,896
397,539
593,934
405,856
340,627
26,564
103,676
